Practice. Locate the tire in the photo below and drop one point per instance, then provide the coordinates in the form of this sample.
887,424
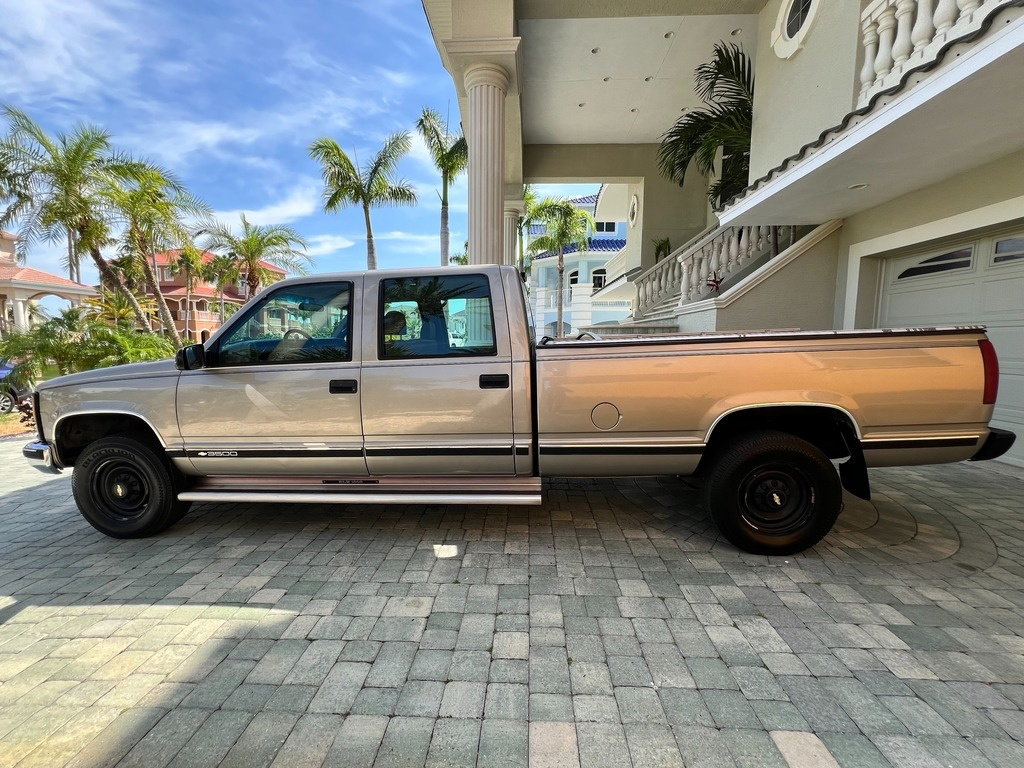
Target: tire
771,493
7,401
124,489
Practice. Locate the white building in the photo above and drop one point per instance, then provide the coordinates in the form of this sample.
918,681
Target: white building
585,274
886,145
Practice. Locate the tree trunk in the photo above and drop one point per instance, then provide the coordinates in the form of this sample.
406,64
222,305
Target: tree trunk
561,289
371,248
445,235
161,303
252,279
71,257
113,279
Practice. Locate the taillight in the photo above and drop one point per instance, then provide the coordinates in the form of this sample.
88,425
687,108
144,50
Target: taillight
991,362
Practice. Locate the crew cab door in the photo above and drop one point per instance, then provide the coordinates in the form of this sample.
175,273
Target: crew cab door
280,392
437,377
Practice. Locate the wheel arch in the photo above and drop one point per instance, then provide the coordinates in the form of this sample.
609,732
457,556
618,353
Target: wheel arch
830,428
72,432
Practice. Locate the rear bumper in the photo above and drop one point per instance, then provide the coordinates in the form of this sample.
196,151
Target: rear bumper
40,456
998,442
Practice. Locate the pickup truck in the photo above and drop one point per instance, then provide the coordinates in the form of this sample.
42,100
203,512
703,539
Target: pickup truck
427,387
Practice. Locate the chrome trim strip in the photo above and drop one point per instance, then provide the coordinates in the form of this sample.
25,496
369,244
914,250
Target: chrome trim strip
853,421
364,498
621,448
136,414
950,441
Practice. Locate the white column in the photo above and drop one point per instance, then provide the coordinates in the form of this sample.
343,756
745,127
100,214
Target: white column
20,315
486,85
513,212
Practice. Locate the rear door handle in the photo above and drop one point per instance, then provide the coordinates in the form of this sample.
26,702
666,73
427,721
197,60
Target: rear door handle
344,386
494,381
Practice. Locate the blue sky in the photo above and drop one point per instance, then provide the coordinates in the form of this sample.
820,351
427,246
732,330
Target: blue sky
229,94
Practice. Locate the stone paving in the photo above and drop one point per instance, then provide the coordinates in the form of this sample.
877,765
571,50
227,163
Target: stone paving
608,627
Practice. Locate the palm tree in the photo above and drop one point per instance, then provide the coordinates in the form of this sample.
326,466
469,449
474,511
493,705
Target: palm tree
726,85
221,270
450,154
152,210
565,226
273,244
111,308
461,259
528,218
55,192
369,186
188,262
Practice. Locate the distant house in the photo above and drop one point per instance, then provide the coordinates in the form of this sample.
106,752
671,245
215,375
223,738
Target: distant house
21,287
586,274
196,313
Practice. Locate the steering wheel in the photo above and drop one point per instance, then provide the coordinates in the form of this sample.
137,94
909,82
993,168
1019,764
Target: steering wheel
297,332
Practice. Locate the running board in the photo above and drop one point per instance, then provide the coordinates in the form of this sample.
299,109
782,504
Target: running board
366,490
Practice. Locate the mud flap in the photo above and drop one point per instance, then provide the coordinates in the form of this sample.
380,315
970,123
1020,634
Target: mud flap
854,471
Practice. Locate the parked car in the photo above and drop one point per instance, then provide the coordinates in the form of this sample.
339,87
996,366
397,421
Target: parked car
10,395
310,394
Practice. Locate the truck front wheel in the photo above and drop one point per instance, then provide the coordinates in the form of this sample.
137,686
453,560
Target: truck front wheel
771,493
124,489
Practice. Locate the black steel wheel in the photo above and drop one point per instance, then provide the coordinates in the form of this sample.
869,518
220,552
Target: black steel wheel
771,493
124,489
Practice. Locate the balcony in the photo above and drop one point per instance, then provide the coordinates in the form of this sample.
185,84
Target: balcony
934,99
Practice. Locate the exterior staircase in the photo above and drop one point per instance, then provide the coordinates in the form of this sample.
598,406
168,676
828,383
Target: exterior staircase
706,267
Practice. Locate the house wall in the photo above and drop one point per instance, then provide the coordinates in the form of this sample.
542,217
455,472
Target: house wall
665,209
796,99
790,298
983,197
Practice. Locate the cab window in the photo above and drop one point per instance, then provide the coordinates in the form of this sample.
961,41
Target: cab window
436,316
296,324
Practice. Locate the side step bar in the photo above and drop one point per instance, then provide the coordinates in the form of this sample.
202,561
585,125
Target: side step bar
364,490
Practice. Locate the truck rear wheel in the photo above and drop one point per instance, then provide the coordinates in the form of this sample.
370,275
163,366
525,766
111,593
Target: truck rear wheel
771,493
124,489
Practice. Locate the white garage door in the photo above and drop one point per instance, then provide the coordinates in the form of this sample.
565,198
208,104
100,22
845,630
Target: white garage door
974,282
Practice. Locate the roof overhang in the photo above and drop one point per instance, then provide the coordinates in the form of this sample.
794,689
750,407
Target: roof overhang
864,165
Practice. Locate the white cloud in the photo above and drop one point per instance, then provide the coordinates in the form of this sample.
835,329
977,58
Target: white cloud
302,200
325,245
73,50
407,242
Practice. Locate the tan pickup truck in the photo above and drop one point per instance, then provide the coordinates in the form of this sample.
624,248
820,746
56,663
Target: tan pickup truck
423,386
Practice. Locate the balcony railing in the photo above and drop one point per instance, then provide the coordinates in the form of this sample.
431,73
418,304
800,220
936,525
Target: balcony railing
698,269
900,35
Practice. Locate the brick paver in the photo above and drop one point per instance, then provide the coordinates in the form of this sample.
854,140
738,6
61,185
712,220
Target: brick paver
608,627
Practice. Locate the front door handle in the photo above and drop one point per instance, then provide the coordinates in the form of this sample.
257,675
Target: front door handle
494,381
344,387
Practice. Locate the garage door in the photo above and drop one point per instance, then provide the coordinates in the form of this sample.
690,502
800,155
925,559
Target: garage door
974,282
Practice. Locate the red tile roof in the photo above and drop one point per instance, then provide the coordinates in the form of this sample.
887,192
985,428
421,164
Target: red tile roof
9,271
164,258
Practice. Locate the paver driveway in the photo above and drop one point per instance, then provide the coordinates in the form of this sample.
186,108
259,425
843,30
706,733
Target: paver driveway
608,627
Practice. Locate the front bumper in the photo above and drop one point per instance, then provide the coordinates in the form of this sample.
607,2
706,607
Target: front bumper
998,442
40,456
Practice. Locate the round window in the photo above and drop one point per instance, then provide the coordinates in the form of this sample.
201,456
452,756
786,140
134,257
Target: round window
796,17
799,10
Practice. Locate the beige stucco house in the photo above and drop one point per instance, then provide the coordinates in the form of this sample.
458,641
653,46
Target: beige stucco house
887,157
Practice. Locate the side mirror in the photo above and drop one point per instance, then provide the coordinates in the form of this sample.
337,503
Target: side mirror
190,358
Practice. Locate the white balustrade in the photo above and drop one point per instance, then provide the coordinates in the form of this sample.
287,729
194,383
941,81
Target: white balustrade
684,276
899,35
